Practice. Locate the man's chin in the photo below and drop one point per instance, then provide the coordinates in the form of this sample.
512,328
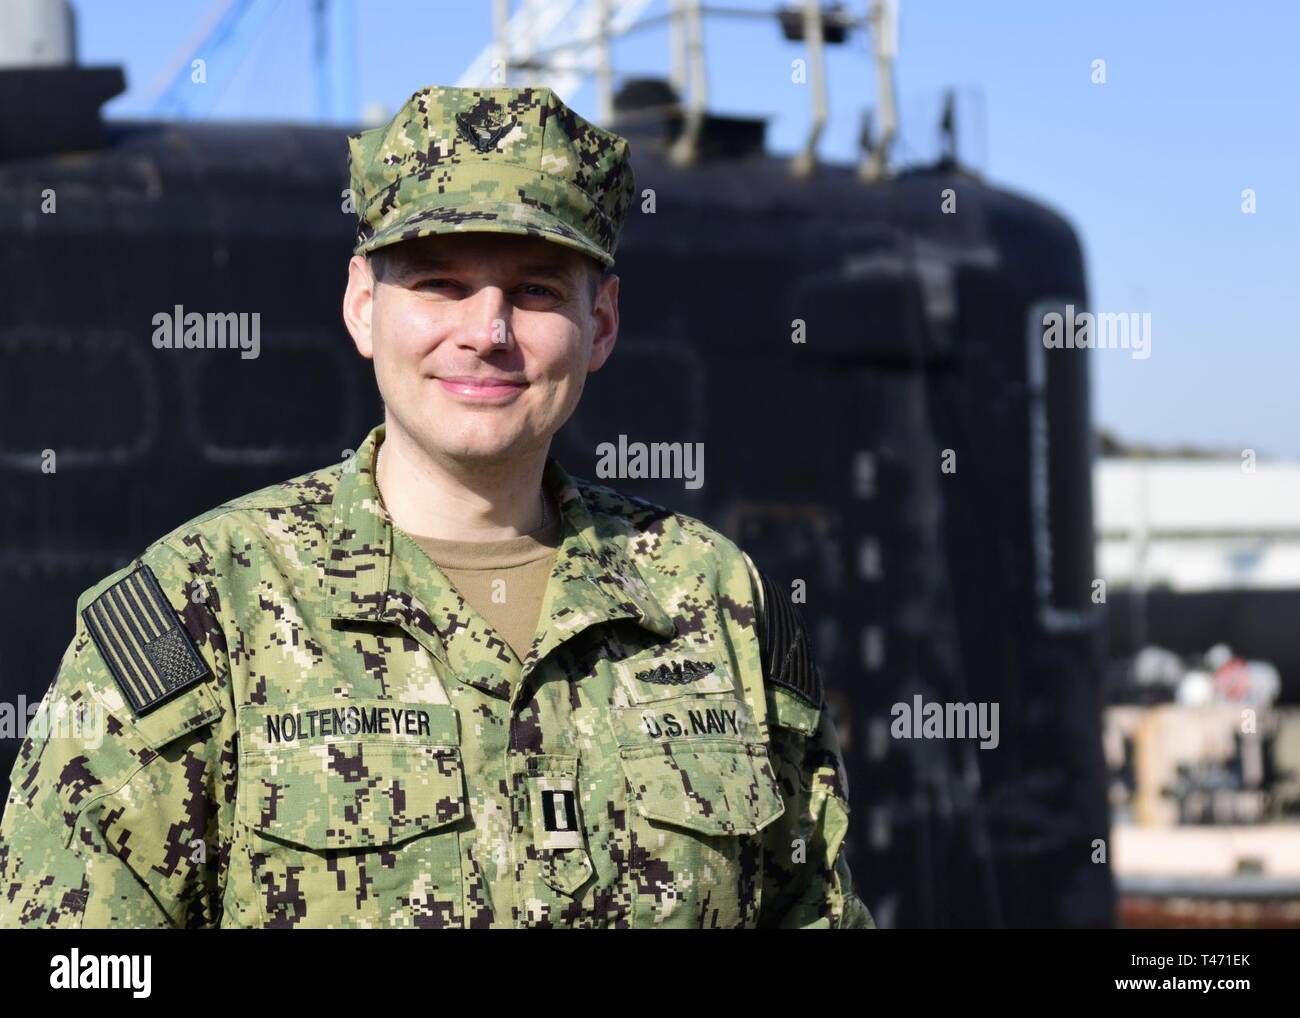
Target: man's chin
479,451
473,439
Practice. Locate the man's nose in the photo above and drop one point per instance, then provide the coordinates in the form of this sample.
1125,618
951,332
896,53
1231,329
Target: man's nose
486,321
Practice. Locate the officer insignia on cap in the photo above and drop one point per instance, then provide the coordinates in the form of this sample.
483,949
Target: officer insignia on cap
138,634
483,126
677,674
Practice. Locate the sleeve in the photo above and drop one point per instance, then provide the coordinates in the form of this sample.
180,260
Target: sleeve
122,788
806,879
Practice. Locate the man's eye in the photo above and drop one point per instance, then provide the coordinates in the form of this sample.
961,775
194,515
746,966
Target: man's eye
537,290
435,284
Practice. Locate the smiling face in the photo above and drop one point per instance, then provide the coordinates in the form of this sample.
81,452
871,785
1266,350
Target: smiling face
482,342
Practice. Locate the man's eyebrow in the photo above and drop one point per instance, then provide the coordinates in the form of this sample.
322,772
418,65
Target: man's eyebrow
546,270
408,263
413,263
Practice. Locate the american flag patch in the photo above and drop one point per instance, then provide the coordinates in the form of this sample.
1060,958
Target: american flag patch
140,637
785,651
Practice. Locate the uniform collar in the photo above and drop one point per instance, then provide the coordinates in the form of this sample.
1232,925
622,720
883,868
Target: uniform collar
593,580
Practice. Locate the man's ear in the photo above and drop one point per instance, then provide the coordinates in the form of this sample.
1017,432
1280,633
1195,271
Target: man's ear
358,302
604,315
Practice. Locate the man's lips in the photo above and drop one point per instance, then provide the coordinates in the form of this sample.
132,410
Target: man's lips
480,389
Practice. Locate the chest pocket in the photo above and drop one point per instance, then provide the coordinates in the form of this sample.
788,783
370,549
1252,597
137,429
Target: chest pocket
351,810
701,789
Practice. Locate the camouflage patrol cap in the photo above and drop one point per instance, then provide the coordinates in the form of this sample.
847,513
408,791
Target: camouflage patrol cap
490,160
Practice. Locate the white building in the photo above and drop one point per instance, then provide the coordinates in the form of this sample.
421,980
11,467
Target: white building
1197,524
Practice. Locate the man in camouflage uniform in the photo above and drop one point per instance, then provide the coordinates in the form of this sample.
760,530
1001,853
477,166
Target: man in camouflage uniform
300,720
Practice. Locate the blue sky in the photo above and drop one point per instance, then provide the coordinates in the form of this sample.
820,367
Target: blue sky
1199,104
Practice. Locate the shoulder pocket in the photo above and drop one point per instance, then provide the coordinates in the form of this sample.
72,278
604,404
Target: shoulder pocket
785,710
83,744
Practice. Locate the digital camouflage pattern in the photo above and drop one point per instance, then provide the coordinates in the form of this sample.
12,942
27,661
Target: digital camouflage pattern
494,160
366,752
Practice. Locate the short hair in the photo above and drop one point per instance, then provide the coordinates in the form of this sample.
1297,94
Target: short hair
596,276
381,262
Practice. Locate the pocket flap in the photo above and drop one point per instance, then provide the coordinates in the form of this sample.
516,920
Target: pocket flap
711,786
354,784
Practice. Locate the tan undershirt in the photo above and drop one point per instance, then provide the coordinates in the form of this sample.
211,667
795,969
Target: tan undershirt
522,564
